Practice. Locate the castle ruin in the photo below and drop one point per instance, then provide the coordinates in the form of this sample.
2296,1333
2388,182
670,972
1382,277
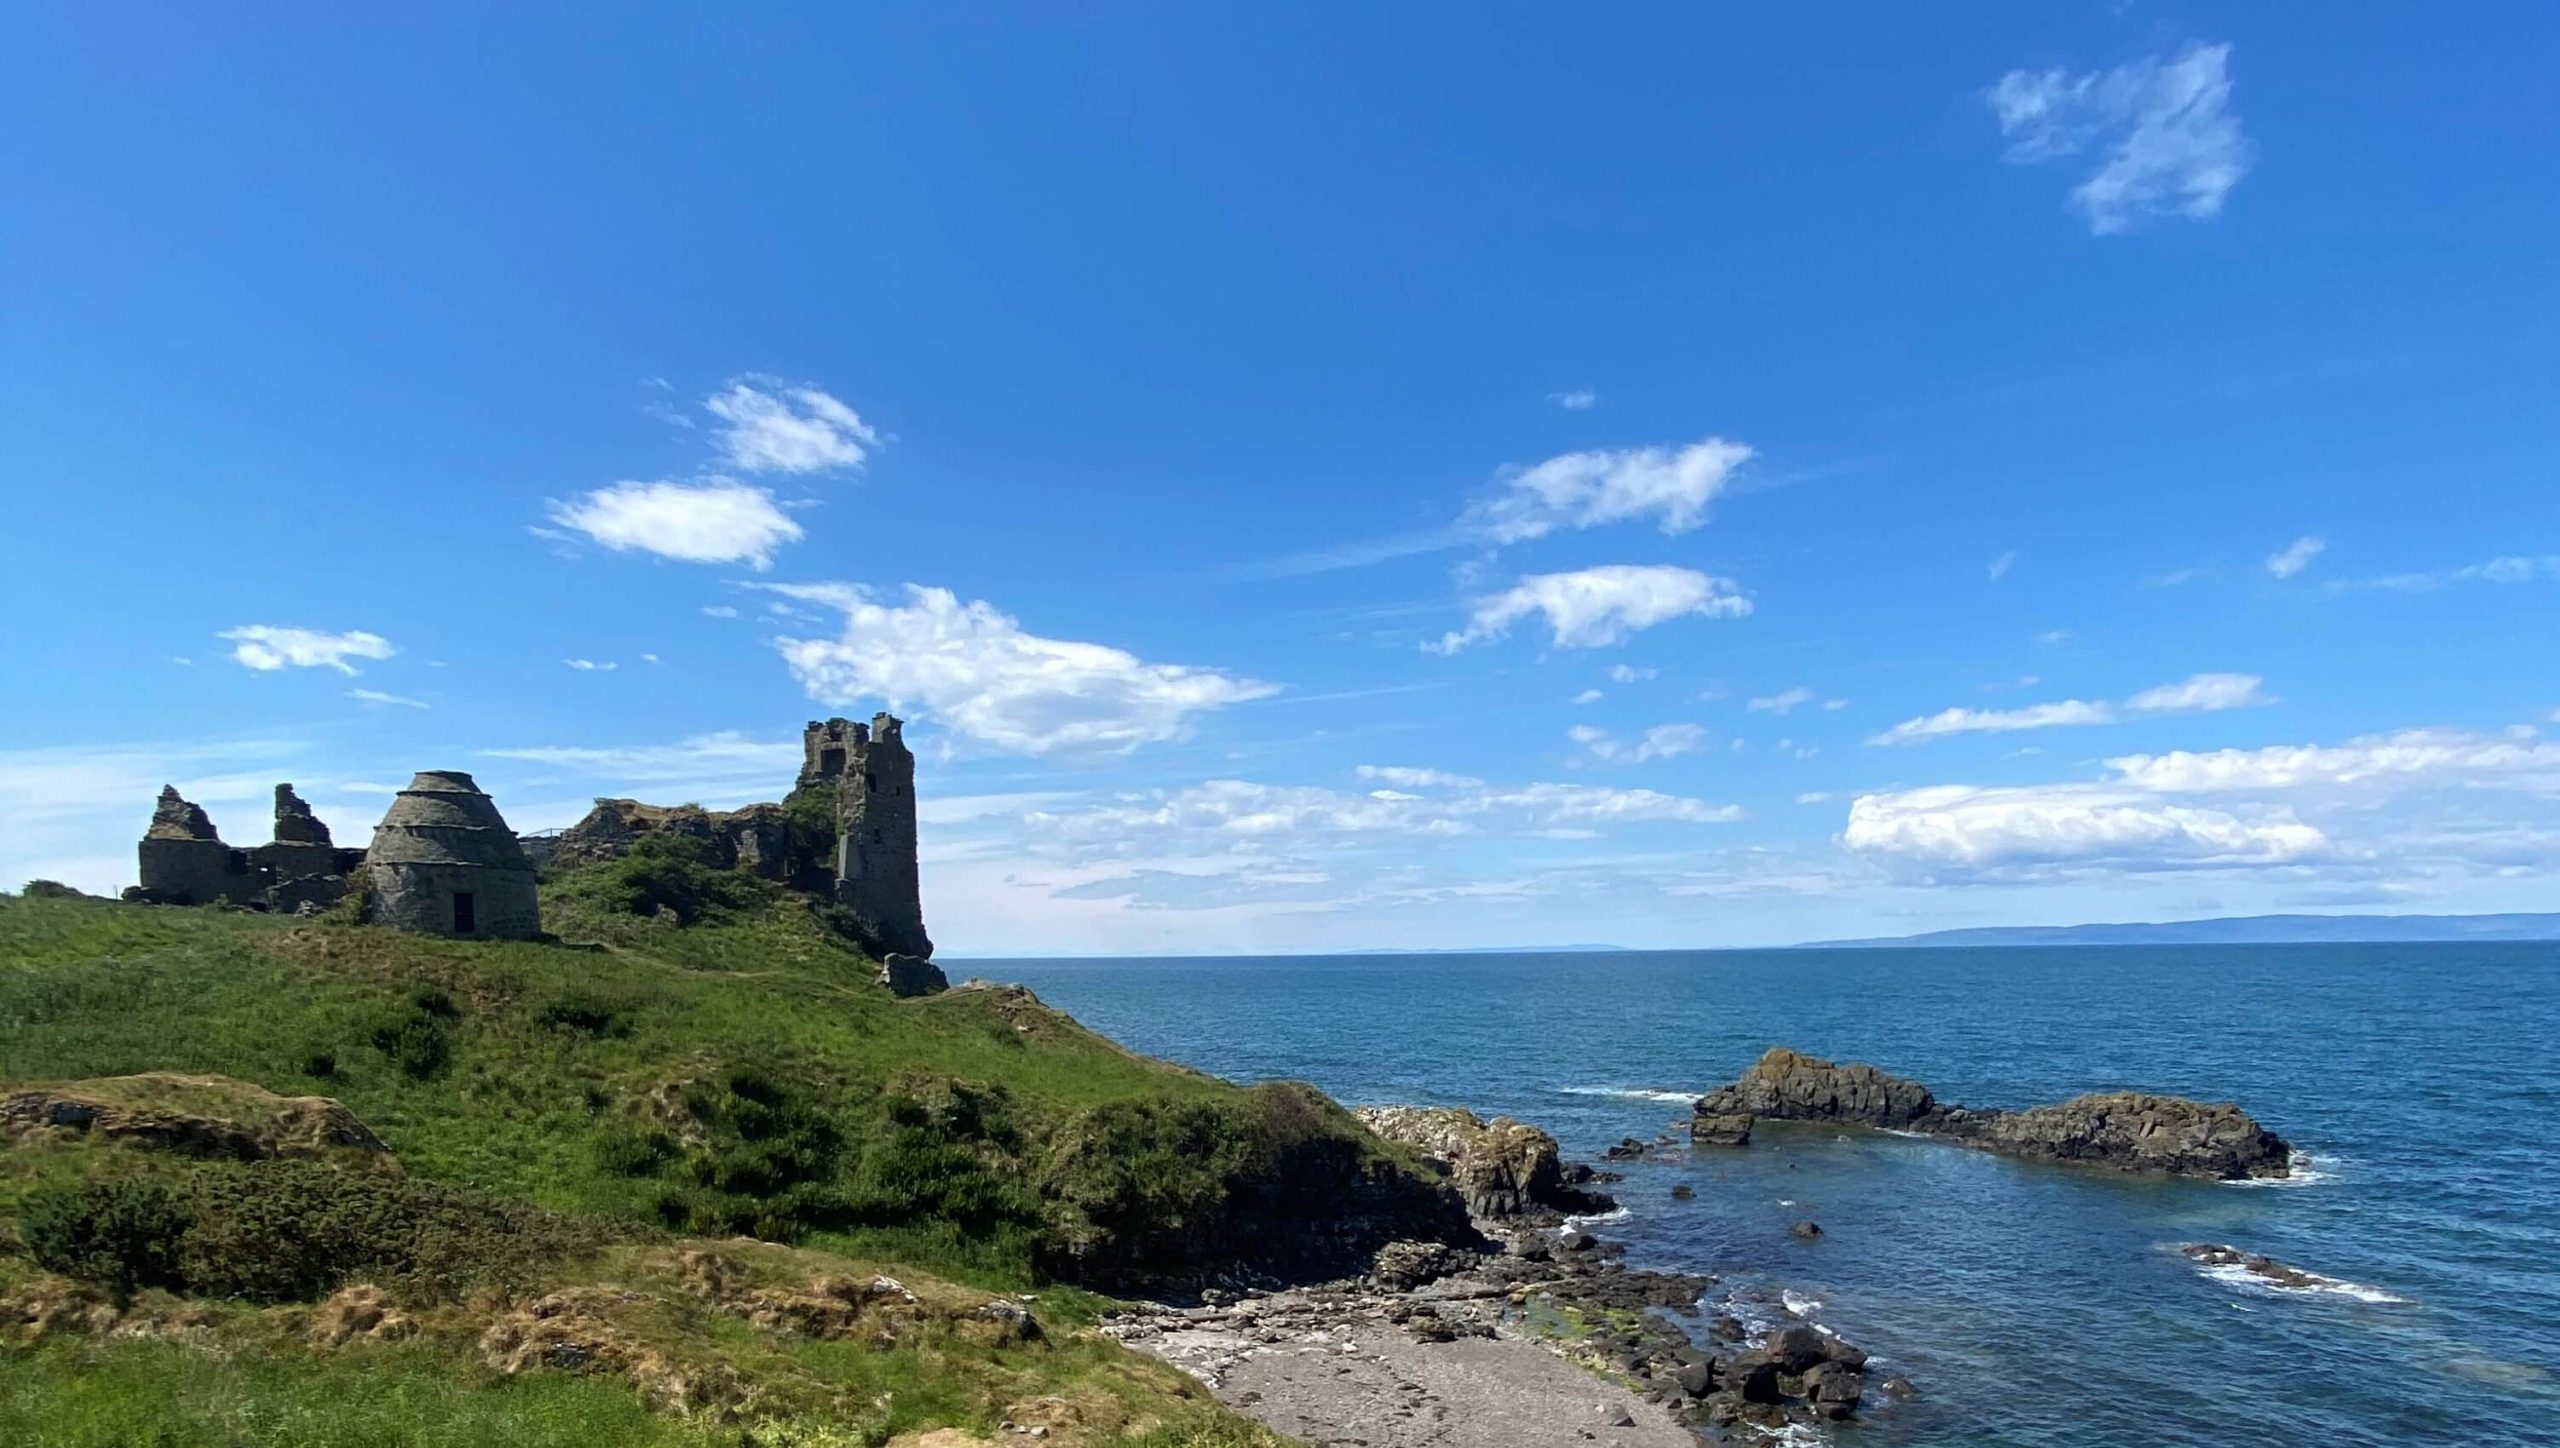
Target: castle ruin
443,861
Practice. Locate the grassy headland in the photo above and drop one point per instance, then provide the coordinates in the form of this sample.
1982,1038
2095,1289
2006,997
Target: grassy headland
574,1146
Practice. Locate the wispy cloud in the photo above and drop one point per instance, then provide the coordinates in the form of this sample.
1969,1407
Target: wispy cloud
2518,568
2000,566
777,427
2199,694
2292,558
1670,487
1782,703
592,666
1574,399
376,696
1597,607
267,648
1662,741
2168,143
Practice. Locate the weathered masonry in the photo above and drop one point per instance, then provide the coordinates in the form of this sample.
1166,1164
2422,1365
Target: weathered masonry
443,862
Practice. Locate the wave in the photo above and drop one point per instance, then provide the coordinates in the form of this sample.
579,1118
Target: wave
2307,1170
1595,1219
1799,1304
1633,1093
2262,1274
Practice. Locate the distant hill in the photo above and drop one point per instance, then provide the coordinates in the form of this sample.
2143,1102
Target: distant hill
2242,930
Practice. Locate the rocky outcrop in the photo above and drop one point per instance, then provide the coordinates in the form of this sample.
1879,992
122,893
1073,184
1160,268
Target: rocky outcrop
2125,1131
201,1116
912,975
1786,1086
1501,1168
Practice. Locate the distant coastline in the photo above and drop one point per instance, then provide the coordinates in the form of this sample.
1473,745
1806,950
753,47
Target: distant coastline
2237,930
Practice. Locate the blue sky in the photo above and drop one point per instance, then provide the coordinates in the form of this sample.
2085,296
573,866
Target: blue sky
1315,478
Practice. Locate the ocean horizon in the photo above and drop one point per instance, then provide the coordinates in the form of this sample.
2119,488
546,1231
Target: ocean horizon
2032,1305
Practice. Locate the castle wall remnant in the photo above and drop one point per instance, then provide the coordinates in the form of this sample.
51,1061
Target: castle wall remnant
183,860
858,781
444,862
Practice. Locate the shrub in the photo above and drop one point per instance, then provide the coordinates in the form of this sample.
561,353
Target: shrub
121,1235
51,890
286,1231
582,1015
674,873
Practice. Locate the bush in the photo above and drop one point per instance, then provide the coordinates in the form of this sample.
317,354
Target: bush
582,1015
51,890
121,1235
674,873
767,1163
286,1231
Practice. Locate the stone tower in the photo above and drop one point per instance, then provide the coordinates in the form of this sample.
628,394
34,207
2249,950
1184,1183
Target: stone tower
874,779
444,863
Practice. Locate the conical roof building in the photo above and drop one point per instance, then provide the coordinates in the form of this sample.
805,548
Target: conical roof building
443,862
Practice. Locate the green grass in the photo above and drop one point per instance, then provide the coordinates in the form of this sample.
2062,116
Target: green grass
743,1074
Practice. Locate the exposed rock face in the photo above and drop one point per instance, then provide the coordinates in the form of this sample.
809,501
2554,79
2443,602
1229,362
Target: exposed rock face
295,823
1719,1129
1785,1086
1502,1167
2127,1131
912,975
2133,1132
177,1113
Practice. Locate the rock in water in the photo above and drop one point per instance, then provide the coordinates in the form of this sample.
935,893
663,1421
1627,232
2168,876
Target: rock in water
912,975
1720,1130
2134,1132
1785,1086
2124,1130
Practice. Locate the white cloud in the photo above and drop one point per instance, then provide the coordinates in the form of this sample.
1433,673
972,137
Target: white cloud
1234,814
1597,607
981,676
2202,694
267,648
2410,756
774,427
1993,833
1587,489
1814,796
717,520
1996,721
376,696
648,658
2001,565
2170,145
1662,741
1834,706
2053,636
2198,694
1630,674
590,666
1409,778
1785,701
1574,399
2512,569
2296,556
1587,696
719,610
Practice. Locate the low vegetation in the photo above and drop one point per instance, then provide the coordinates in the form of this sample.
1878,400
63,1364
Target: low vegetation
566,1122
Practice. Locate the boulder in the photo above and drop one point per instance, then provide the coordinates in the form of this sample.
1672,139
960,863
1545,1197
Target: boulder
1407,1265
1502,1167
912,975
1834,1389
1795,1348
1808,1229
1720,1129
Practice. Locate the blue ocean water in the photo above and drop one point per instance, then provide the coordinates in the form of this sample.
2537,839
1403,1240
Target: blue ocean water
2034,1305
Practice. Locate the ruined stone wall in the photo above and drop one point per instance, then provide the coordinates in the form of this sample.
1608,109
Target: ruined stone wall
197,872
876,872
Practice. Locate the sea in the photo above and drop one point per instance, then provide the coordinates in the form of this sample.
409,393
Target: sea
2031,1305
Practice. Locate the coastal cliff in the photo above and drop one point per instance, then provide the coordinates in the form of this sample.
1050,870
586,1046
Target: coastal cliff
2123,1130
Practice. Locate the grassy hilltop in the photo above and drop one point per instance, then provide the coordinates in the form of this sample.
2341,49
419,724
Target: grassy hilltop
643,1191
